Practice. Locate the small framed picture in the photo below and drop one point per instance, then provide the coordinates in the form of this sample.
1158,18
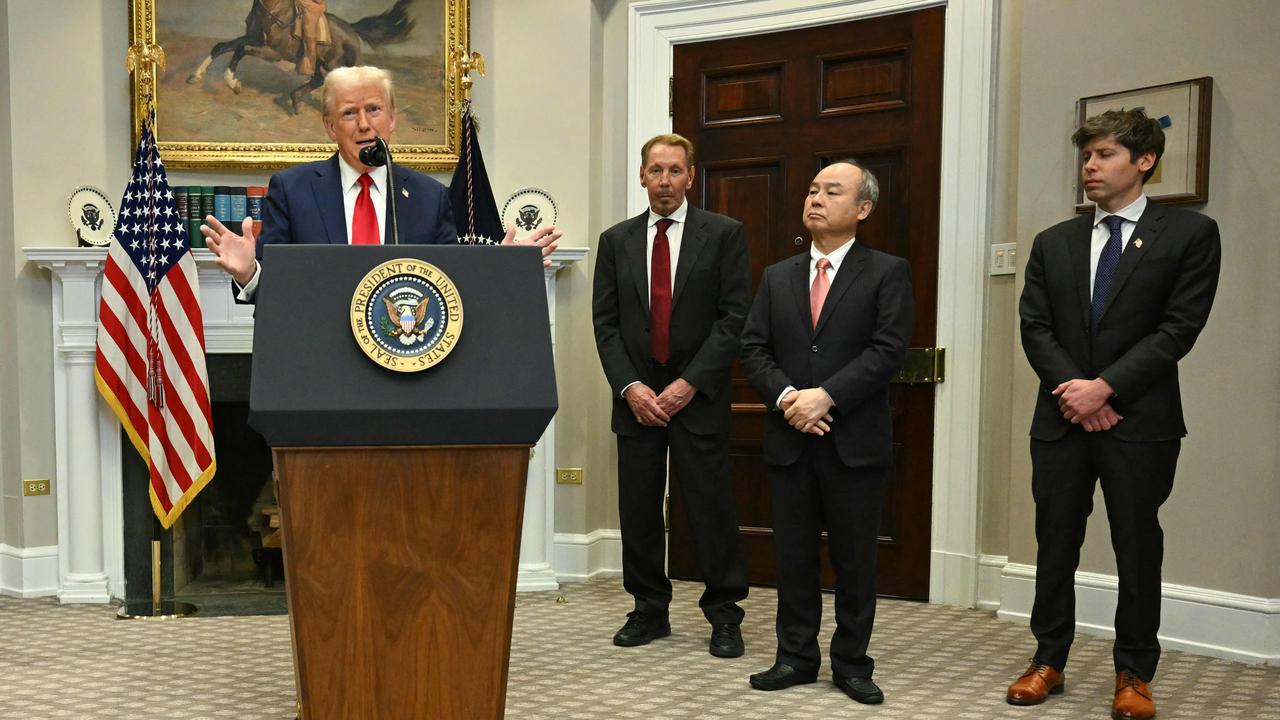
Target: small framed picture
1183,111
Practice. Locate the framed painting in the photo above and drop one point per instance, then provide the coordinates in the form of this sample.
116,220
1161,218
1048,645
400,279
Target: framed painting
230,96
1184,112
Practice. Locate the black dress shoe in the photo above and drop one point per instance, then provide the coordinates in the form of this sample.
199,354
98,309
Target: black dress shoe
641,629
864,690
780,677
726,641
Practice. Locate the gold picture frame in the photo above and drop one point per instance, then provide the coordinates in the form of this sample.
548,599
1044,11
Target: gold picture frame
204,121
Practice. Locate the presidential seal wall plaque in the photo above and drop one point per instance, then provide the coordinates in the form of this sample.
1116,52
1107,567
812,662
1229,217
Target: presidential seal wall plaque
91,216
406,315
528,209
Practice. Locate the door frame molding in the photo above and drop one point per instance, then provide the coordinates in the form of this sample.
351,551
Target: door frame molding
968,121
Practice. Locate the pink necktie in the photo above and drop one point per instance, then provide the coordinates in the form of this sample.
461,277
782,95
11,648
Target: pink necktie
818,292
364,221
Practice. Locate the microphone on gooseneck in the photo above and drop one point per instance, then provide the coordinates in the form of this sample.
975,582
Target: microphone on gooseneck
377,155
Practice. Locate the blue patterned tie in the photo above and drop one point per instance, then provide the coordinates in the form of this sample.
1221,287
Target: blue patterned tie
1107,263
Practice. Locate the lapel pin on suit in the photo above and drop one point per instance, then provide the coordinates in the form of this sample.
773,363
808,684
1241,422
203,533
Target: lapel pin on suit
1137,242
404,192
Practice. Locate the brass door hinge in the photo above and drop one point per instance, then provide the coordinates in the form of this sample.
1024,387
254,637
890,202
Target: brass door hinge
923,366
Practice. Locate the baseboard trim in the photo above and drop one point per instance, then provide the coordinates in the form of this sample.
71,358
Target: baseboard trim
581,557
28,572
989,567
1197,620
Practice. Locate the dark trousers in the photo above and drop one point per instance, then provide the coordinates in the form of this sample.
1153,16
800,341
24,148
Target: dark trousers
702,464
1136,479
820,491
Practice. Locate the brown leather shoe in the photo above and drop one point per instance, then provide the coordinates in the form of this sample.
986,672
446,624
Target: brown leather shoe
1133,698
1037,683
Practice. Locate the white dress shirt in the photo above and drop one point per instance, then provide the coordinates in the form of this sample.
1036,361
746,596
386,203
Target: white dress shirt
350,178
835,258
1102,233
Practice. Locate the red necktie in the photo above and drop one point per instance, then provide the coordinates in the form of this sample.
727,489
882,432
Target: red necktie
818,292
364,222
660,295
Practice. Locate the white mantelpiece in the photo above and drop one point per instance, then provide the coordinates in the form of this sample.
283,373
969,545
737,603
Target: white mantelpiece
87,436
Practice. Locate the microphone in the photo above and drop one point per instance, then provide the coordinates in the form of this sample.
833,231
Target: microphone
377,155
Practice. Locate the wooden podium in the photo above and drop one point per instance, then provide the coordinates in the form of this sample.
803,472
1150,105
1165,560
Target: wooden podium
401,494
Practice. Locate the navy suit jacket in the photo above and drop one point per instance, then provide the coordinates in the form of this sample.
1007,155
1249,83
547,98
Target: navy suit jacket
304,205
856,349
1160,300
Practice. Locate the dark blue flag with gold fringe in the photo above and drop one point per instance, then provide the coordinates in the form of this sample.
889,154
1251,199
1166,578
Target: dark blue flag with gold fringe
475,213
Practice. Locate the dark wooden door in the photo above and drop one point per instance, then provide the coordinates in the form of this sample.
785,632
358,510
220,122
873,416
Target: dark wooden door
765,113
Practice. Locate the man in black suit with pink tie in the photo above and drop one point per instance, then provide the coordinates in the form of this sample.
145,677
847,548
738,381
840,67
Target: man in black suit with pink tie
827,332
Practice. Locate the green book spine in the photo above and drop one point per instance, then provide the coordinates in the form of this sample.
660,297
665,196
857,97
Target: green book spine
206,208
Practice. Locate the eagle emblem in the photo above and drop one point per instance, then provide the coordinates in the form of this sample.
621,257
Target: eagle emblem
406,315
410,320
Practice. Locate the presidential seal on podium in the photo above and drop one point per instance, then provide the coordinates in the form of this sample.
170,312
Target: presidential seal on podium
406,315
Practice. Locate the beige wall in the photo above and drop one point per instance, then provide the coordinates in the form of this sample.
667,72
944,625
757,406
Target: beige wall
65,127
1220,528
10,494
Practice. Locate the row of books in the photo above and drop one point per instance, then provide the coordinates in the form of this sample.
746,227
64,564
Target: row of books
229,204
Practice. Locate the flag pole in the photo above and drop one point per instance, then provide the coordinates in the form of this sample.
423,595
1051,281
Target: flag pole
147,58
157,607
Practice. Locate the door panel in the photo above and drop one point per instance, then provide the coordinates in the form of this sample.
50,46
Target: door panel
765,113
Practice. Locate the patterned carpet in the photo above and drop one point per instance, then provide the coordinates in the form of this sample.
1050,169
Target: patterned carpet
932,662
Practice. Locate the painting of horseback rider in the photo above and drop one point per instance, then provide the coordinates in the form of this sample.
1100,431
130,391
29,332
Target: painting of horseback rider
303,32
313,27
249,72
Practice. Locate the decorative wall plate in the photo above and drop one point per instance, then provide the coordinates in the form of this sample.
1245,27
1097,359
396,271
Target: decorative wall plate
92,216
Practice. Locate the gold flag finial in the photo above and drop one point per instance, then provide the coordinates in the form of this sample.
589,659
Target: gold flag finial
464,62
148,60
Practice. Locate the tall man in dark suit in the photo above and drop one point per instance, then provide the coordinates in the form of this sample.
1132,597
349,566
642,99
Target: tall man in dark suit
828,331
1112,301
341,200
671,291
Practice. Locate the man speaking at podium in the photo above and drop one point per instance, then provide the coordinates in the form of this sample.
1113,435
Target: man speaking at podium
343,200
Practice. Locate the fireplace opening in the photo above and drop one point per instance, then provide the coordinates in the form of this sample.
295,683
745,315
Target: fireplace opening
223,553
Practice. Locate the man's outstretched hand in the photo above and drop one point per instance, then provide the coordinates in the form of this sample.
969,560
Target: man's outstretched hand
237,254
545,238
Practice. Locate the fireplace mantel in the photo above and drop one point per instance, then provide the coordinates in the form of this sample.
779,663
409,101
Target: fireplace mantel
87,436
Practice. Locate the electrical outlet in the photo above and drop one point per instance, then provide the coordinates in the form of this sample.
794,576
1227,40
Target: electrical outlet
39,486
1004,258
569,476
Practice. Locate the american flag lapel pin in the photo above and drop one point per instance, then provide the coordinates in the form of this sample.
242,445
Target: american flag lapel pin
404,192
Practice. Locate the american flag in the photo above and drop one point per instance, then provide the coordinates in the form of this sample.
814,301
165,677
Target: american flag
150,363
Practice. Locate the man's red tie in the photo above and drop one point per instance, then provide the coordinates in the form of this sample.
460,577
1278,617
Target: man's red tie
364,222
818,291
660,295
